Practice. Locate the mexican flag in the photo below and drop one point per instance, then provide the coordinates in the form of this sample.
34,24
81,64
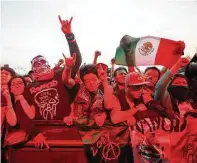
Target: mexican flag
148,50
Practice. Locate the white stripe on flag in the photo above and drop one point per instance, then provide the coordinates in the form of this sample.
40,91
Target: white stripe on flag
146,51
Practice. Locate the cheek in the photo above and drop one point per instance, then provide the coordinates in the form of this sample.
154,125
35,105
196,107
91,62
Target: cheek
137,93
8,78
17,91
121,78
14,91
155,80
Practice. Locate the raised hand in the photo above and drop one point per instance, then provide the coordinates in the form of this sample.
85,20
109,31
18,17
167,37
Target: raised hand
60,62
184,62
6,94
66,25
113,61
97,53
70,62
102,72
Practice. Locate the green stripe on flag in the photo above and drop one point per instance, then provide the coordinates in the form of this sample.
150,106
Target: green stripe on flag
126,60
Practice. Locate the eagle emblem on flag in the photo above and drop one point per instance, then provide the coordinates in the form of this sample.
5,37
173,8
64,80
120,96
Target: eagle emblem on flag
146,48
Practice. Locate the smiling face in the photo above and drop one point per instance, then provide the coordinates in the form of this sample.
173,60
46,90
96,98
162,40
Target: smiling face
17,86
91,82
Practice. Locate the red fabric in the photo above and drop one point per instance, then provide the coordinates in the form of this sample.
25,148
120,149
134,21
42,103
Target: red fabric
169,52
184,144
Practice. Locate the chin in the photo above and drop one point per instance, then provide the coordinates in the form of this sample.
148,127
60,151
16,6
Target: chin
92,90
137,97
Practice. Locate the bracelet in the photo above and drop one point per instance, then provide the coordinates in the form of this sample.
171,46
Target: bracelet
70,37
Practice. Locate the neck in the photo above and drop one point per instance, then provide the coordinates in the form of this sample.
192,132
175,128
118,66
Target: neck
121,86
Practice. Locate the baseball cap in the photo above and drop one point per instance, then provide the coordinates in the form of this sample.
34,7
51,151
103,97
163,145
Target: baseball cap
135,78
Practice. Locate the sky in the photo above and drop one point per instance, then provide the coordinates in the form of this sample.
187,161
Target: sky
29,28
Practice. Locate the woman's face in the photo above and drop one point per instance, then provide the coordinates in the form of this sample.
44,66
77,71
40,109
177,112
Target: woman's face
17,86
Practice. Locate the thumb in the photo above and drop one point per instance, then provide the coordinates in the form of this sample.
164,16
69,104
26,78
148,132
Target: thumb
74,56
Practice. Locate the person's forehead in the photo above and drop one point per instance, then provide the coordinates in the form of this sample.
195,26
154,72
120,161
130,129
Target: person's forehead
151,71
15,80
179,79
5,71
120,71
88,76
37,59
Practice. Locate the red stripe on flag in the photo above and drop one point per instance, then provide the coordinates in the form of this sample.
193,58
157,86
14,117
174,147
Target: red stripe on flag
169,52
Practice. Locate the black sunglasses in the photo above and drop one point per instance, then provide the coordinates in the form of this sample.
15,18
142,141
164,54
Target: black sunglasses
136,87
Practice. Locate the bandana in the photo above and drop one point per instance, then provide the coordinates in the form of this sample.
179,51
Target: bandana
40,66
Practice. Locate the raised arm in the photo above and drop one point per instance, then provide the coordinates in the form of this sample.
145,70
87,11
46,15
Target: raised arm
113,66
161,92
96,55
66,74
73,47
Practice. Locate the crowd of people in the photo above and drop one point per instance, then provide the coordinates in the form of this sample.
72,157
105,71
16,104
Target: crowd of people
149,116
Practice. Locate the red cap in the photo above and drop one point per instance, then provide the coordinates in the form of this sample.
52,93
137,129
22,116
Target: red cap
135,78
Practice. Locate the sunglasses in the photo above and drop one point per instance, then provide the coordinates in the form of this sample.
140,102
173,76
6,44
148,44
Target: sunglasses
135,87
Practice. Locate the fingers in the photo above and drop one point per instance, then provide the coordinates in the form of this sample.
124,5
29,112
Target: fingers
40,145
64,56
106,69
46,144
68,121
36,145
65,22
100,67
70,21
74,56
60,19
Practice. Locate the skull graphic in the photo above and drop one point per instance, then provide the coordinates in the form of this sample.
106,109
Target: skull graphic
47,101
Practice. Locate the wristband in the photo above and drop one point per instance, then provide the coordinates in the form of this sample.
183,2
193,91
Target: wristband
70,37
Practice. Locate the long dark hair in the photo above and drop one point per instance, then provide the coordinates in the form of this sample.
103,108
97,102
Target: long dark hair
9,87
